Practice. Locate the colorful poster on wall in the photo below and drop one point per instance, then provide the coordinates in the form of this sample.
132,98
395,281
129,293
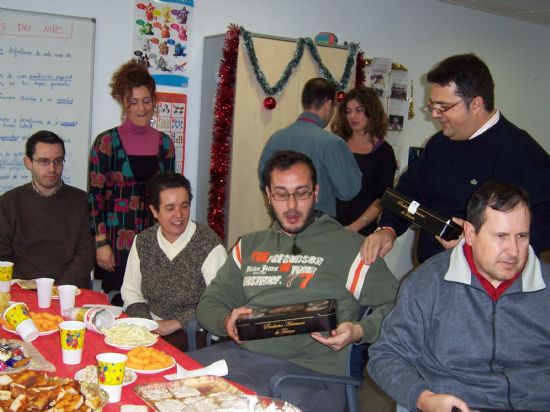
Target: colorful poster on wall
170,118
160,38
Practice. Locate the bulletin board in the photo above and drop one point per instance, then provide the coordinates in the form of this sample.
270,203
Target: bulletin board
46,75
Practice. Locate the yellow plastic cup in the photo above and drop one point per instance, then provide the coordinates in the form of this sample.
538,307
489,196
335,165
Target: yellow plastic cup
6,273
110,367
71,335
19,318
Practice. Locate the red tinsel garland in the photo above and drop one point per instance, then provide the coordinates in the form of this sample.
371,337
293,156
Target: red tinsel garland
360,65
221,131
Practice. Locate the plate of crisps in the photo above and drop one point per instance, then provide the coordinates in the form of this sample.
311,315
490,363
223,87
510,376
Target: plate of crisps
128,336
45,322
148,360
148,323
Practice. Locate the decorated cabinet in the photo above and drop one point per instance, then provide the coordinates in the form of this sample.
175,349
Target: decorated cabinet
252,124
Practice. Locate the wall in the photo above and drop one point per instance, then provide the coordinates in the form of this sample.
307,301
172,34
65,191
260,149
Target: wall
415,33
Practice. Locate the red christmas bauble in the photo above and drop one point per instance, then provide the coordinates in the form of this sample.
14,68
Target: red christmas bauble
270,103
340,96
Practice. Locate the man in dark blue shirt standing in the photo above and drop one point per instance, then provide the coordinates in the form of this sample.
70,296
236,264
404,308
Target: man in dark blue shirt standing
476,144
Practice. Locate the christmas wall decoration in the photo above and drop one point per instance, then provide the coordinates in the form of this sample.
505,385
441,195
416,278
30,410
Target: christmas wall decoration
221,131
225,99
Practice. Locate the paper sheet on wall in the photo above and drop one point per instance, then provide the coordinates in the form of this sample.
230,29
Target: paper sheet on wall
160,38
397,111
378,76
170,118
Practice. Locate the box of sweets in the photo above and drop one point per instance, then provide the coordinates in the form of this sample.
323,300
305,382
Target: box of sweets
295,319
420,215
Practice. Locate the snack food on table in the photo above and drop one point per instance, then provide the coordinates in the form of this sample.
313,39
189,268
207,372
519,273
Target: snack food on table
240,403
4,301
26,284
128,334
36,391
12,356
176,395
45,321
147,358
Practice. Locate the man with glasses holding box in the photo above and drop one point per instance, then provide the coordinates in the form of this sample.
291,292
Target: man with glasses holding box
300,258
476,143
44,224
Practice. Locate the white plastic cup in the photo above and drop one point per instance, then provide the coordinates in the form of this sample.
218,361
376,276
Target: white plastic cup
44,292
110,367
28,330
71,335
6,273
67,295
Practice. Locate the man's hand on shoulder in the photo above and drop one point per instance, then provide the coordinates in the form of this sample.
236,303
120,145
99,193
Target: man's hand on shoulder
377,245
340,337
229,322
440,402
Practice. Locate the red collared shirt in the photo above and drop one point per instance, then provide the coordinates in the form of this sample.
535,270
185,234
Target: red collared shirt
493,292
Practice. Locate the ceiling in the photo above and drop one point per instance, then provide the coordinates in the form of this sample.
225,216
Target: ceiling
532,11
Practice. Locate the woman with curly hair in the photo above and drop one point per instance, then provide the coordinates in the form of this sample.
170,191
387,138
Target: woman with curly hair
122,161
362,122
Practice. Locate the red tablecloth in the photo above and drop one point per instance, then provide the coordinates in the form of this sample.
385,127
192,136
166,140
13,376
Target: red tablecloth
50,348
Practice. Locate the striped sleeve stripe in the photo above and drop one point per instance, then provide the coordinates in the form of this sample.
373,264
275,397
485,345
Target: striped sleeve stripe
356,276
237,254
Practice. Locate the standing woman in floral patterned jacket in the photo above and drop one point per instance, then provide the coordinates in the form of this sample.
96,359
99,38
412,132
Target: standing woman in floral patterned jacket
122,161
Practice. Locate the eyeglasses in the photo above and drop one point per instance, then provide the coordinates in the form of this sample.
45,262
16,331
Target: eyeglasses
284,196
47,162
442,109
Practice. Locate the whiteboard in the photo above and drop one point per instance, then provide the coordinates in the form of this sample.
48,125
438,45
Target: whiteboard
46,72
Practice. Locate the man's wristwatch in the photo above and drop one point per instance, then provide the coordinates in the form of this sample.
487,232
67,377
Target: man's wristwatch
100,243
379,228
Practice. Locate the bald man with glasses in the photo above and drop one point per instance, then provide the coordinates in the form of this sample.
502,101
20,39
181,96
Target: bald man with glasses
44,224
476,144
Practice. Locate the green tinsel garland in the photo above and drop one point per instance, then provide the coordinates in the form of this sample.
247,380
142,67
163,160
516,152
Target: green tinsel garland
295,61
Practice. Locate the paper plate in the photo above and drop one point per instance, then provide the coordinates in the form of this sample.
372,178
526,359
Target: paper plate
152,371
127,347
148,323
44,333
55,294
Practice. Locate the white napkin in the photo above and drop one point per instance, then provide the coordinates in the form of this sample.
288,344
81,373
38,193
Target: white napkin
218,368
